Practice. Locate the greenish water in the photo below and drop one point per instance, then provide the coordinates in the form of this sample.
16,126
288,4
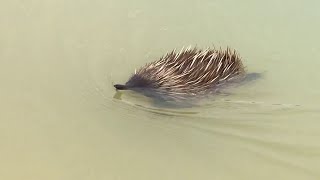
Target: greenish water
60,119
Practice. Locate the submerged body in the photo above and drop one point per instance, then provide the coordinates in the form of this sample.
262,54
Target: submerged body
187,73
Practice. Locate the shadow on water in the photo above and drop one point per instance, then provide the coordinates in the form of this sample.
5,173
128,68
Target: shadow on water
157,106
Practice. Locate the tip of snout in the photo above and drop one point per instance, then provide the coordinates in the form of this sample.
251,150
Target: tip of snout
120,87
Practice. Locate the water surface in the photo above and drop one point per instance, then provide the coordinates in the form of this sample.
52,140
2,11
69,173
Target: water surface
60,118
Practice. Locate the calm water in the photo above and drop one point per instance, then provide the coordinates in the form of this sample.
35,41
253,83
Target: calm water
61,119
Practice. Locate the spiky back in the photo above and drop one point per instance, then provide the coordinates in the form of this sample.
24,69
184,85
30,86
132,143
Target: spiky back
189,71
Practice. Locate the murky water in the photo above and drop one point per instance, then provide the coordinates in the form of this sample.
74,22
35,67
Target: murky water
61,119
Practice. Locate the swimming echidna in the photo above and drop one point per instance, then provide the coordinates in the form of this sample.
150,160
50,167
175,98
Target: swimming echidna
188,72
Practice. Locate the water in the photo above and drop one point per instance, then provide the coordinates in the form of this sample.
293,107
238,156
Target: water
61,119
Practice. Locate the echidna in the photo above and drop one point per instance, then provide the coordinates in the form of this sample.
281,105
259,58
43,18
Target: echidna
186,73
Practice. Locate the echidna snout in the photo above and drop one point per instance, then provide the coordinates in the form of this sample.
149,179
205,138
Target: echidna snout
120,87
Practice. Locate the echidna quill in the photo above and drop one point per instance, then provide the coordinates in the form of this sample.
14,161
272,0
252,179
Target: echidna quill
187,73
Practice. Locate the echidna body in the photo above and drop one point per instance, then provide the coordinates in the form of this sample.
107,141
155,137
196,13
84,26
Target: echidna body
189,72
